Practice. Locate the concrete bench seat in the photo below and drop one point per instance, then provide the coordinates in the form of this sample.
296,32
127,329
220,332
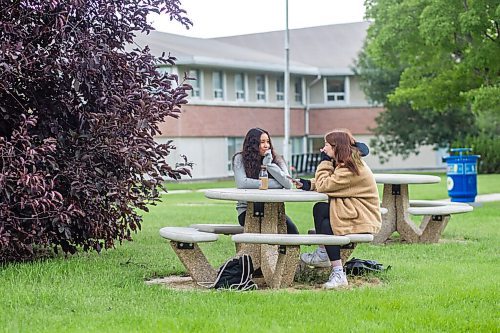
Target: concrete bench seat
289,239
289,251
360,238
187,235
225,229
436,215
433,203
184,243
440,210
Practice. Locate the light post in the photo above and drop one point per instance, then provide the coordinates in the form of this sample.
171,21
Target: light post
286,140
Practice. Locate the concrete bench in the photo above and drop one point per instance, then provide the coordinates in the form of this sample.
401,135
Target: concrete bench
289,239
184,242
225,229
435,219
289,250
434,203
440,210
282,274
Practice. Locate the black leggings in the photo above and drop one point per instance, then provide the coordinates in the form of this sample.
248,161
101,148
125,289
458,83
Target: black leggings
321,215
290,227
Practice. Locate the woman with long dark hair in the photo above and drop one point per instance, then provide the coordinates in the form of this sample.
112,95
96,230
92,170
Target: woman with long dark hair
258,150
353,205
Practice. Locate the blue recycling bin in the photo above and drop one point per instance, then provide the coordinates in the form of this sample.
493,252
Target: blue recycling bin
462,175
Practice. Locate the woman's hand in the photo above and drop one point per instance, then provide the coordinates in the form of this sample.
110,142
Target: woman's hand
304,184
295,182
268,158
325,157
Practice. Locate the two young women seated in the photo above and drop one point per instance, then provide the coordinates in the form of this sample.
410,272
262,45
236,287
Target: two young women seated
353,205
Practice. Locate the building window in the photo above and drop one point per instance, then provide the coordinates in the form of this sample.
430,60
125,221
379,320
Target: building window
298,90
239,83
280,89
217,85
234,145
335,90
195,83
315,144
297,144
260,81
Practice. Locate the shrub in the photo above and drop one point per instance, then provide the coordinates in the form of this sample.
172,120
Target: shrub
78,113
488,147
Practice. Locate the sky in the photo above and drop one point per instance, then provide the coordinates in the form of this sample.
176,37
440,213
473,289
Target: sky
218,18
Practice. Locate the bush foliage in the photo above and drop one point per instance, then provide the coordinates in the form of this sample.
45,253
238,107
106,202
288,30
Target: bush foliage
78,113
488,147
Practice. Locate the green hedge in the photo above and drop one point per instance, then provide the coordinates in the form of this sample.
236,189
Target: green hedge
489,149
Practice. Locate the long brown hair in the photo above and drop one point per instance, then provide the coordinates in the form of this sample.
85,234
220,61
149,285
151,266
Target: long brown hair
250,153
345,151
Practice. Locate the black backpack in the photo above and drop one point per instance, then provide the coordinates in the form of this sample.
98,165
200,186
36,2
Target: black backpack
235,274
357,266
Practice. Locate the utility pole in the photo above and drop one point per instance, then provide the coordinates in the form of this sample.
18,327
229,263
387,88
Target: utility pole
286,141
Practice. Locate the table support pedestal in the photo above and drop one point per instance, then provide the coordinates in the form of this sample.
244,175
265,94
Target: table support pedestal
273,221
396,200
286,267
389,219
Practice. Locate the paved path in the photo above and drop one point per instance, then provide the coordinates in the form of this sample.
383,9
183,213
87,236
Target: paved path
488,197
483,198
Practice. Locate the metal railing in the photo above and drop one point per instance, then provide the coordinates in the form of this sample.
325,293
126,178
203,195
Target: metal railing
305,163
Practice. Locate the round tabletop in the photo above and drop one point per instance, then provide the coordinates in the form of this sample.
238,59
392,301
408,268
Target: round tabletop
402,178
271,195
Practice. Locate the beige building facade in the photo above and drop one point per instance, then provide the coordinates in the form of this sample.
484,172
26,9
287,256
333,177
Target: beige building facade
239,84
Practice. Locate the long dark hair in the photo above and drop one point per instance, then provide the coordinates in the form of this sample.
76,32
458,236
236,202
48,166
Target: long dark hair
344,149
250,153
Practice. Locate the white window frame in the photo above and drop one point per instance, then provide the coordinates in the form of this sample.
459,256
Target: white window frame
241,95
218,93
261,95
196,92
338,97
295,94
280,95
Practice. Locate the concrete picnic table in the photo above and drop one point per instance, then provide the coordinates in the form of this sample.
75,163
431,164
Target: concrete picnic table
395,199
266,215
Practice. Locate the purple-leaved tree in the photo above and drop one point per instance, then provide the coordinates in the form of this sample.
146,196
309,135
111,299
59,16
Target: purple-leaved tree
77,118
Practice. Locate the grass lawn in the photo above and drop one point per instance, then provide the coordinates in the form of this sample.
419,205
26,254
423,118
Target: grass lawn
451,286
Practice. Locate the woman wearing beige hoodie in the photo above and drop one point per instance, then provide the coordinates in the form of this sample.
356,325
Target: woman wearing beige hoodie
353,205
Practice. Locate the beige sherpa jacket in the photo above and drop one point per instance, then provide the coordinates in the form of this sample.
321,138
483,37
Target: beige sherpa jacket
354,202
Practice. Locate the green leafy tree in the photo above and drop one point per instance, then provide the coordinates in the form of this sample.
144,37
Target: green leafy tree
434,66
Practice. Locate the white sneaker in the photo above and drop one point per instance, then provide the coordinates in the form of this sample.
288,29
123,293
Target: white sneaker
337,280
318,258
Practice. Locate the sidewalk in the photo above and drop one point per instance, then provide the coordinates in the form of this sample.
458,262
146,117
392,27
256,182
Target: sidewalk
483,198
488,197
